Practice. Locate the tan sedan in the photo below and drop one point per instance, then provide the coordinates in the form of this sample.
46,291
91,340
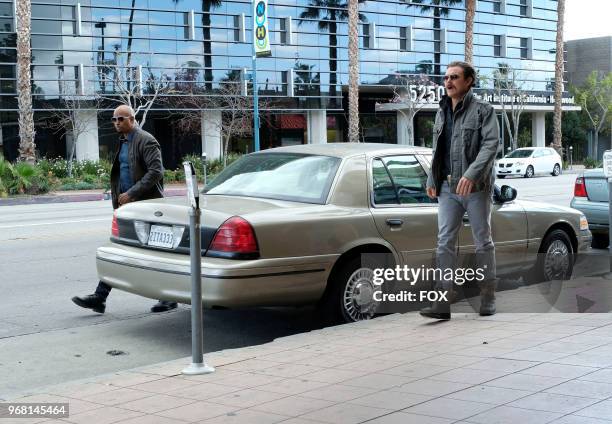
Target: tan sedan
288,226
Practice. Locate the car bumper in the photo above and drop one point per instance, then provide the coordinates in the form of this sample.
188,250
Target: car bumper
516,170
596,213
584,241
225,282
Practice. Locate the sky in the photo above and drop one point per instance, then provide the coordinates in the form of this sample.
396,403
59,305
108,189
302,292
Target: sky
587,19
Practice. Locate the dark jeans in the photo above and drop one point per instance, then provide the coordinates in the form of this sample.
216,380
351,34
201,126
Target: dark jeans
103,290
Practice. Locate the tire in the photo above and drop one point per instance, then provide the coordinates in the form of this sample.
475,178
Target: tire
600,241
348,297
501,176
556,170
555,258
529,172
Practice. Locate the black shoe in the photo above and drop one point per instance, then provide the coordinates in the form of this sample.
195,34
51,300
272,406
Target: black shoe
163,306
94,302
437,310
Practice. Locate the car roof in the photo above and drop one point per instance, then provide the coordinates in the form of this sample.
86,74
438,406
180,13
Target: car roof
344,150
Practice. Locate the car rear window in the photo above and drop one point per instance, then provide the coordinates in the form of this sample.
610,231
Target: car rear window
283,176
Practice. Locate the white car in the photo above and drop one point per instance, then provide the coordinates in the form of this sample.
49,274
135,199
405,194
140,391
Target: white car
529,161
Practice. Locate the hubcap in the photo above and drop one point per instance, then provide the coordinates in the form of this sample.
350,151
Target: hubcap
358,300
556,171
557,261
529,172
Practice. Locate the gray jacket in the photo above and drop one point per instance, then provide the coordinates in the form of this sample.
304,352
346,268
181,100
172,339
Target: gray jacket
474,144
145,166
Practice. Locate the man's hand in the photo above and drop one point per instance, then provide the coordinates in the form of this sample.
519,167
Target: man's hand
431,192
124,198
465,186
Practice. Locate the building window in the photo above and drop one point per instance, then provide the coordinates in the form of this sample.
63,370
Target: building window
526,8
440,45
527,48
240,28
286,31
369,36
406,38
497,46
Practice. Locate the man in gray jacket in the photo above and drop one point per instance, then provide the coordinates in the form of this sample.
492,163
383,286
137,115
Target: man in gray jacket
137,174
466,138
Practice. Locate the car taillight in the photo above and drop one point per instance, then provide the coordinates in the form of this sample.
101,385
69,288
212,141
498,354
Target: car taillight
115,226
580,188
235,235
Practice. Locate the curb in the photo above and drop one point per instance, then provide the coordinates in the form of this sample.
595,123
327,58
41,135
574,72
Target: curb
68,198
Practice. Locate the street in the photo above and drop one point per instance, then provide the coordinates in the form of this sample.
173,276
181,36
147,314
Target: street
48,256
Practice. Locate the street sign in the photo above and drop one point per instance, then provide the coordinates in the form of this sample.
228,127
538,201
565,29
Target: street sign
261,37
607,163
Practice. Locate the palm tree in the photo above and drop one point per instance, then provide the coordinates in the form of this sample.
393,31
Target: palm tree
558,77
470,12
27,148
440,10
328,13
353,53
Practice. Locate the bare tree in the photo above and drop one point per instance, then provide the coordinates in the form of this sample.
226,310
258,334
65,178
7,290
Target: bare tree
27,147
557,135
229,99
67,120
509,89
413,92
136,86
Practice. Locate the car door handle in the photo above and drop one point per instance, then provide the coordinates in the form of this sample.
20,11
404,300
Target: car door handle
395,222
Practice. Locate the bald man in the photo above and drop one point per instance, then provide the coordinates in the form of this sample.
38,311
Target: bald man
137,174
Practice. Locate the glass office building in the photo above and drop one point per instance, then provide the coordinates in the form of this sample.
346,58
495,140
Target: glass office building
99,49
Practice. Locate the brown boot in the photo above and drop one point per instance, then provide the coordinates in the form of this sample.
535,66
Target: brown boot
487,297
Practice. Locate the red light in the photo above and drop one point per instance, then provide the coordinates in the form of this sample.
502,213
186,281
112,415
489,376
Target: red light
235,235
580,188
115,226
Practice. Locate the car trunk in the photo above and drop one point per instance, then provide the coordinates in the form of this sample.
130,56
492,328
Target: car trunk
216,209
596,185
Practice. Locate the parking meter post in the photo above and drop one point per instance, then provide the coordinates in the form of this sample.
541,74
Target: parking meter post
198,366
204,170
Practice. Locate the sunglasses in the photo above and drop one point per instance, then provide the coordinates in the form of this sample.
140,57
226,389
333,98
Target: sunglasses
451,77
119,118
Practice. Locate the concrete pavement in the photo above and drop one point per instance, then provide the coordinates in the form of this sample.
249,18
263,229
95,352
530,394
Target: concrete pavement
512,367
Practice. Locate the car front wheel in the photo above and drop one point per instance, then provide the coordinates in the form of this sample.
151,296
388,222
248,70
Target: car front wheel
556,170
529,172
555,258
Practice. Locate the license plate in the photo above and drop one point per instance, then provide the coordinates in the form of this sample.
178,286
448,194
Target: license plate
161,236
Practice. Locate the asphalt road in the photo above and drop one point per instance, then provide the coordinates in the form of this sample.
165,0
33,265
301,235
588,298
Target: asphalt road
47,255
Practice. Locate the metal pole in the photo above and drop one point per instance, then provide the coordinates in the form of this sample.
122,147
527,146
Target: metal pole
255,99
198,366
610,221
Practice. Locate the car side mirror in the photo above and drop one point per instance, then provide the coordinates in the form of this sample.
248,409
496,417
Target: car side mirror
506,194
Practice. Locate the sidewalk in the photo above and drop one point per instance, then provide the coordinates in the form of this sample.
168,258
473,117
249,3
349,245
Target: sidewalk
528,368
170,190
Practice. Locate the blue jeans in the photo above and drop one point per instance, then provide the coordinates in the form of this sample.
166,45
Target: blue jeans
451,209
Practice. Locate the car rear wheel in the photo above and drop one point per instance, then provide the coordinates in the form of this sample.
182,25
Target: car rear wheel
350,294
556,170
600,241
529,172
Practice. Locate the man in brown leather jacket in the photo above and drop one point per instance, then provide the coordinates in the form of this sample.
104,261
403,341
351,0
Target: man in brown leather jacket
137,174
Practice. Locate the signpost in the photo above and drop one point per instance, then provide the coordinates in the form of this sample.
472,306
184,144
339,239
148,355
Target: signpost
607,166
198,366
261,48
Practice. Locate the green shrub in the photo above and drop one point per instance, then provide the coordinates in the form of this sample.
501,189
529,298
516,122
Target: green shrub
590,163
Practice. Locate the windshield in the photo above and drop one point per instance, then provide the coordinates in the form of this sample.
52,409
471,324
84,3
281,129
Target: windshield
284,176
520,153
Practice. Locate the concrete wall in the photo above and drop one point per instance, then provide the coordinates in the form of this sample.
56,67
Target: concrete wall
587,55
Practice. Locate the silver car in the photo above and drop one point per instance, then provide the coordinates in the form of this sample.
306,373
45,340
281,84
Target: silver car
288,226
592,199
